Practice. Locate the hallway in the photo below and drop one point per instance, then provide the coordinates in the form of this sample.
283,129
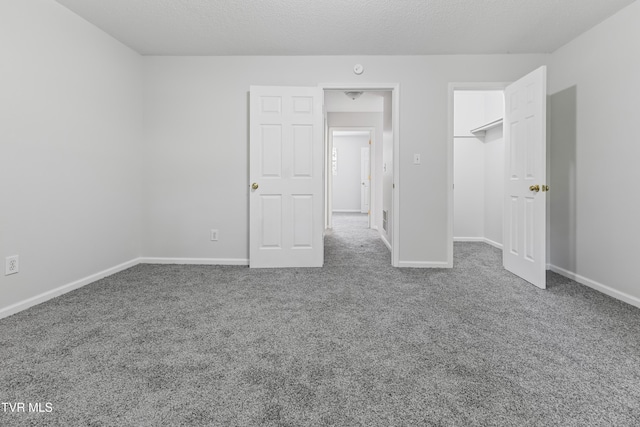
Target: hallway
352,243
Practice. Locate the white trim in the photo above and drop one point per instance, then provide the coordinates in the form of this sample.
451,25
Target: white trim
385,241
349,132
195,261
622,296
347,211
468,239
395,194
453,87
478,239
492,243
424,264
46,296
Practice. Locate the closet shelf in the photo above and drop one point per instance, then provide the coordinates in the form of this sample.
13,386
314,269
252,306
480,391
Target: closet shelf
482,130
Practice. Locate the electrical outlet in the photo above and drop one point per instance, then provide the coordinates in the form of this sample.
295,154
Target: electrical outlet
214,235
11,265
416,159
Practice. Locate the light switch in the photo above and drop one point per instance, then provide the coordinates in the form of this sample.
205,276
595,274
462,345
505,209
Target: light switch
416,159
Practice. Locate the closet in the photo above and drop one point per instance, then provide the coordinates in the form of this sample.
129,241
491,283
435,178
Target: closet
478,162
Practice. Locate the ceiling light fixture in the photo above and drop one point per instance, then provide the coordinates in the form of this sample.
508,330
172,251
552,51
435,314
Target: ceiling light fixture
353,94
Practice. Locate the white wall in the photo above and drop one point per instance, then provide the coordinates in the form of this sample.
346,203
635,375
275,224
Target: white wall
468,191
475,108
493,184
346,183
196,117
468,112
335,101
71,119
594,82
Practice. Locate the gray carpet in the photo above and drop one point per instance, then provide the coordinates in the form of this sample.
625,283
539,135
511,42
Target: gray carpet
354,343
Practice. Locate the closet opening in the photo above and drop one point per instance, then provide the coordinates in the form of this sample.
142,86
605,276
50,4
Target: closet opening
478,164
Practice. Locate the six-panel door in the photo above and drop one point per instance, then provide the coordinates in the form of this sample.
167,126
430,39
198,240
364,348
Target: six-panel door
524,251
286,177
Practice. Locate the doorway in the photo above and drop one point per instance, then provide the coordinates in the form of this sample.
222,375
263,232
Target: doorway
372,111
350,176
478,166
461,218
524,171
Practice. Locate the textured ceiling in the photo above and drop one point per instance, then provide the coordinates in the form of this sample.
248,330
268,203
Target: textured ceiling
343,27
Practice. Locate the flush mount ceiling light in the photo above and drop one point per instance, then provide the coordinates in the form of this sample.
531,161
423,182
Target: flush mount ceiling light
353,94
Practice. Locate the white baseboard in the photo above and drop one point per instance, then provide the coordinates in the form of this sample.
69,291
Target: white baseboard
478,239
492,243
346,211
45,296
196,261
622,296
468,239
424,264
386,242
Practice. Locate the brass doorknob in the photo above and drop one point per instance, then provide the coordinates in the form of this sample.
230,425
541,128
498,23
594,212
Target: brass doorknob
254,185
535,188
545,188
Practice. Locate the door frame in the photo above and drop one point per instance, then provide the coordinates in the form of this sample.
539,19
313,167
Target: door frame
394,88
452,88
366,201
329,174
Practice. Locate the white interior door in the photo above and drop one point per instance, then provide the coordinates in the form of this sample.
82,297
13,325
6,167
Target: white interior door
286,177
365,180
525,178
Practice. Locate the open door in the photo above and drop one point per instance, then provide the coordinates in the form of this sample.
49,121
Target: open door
286,177
365,179
524,233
